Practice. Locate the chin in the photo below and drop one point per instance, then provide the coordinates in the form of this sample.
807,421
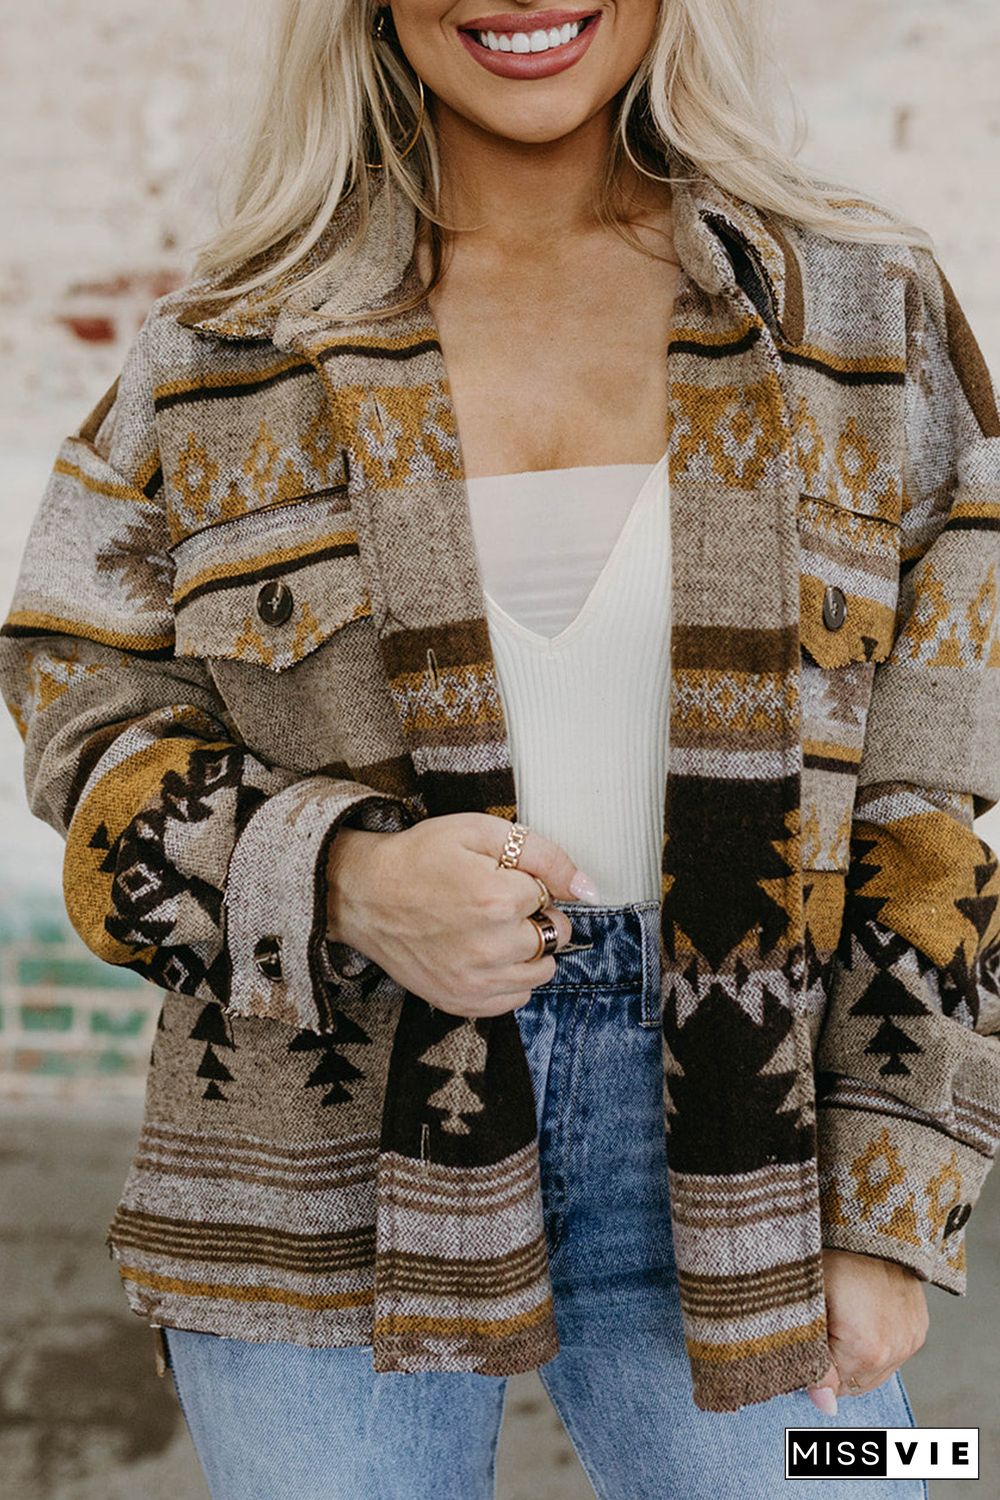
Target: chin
540,132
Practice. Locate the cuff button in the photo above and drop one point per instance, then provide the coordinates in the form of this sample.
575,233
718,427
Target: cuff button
267,957
958,1216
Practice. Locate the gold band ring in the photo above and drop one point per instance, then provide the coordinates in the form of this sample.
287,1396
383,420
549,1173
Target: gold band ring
548,936
543,891
513,846
854,1384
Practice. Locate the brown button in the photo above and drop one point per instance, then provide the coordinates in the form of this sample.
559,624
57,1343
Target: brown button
274,603
267,957
834,607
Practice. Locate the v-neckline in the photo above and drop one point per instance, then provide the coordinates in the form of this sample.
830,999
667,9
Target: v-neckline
548,643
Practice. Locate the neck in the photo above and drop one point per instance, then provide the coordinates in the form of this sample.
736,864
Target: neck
533,194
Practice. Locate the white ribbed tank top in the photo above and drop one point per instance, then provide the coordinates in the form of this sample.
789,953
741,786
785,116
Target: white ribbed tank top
575,565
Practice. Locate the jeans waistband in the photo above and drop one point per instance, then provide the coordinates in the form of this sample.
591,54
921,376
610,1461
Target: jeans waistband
622,945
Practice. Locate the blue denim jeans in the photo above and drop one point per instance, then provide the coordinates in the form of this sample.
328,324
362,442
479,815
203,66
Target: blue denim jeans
271,1421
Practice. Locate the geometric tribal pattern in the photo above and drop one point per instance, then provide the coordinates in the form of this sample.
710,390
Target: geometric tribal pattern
326,1158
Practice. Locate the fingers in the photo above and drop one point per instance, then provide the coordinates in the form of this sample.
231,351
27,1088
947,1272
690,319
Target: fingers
540,856
528,971
502,1005
860,1380
876,1319
839,1381
846,1377
526,904
527,935
862,1370
522,889
824,1395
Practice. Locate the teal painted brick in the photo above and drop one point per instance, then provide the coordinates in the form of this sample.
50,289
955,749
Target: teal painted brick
49,929
50,1037
126,1023
81,972
48,1064
113,1062
47,1017
53,1062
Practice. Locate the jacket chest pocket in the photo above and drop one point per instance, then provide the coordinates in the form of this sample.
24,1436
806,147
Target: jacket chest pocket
849,569
256,598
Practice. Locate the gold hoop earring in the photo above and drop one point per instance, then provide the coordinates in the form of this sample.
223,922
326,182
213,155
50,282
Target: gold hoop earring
378,166
653,176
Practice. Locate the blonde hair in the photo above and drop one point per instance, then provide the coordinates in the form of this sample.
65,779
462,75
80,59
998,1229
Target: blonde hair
337,98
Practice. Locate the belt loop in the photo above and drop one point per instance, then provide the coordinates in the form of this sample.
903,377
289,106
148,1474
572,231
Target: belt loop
652,994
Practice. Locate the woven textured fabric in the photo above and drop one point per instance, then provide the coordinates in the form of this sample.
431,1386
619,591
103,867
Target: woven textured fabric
326,1159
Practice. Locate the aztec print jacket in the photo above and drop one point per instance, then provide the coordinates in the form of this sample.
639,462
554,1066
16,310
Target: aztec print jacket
250,612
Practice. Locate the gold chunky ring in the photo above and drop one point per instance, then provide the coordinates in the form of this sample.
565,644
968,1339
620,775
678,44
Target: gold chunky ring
513,846
548,936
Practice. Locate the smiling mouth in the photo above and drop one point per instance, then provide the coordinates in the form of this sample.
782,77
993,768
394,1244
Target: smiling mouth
547,39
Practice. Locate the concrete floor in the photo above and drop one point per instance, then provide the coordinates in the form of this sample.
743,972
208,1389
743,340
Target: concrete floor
84,1417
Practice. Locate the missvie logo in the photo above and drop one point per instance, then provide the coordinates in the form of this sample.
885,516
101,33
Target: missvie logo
882,1452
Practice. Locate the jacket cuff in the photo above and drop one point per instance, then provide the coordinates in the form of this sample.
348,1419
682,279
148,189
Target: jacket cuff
283,966
897,1185
907,1104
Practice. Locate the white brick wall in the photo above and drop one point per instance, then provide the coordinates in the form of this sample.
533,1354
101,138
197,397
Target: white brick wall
108,114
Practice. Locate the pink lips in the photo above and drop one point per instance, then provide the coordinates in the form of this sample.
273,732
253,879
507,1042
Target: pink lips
529,64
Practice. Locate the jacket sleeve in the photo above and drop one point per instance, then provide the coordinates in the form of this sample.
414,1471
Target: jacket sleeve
908,1060
187,857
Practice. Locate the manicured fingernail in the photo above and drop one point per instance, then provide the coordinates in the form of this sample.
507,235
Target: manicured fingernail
824,1398
583,888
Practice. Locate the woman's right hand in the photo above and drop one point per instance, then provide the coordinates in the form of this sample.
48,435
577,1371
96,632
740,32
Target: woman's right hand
433,908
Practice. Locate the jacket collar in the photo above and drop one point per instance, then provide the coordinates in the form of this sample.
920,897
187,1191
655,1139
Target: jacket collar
723,243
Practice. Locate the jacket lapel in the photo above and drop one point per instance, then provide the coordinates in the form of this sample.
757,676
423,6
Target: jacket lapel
458,1124
737,1052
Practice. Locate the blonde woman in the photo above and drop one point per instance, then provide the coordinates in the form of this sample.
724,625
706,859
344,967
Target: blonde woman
514,658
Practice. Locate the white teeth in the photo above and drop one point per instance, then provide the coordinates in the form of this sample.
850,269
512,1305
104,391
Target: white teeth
528,41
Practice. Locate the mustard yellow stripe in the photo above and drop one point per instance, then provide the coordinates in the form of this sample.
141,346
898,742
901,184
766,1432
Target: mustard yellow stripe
711,340
263,560
112,491
377,341
868,366
975,510
35,620
400,343
830,751
146,473
220,381
765,1344
282,1295
463,1327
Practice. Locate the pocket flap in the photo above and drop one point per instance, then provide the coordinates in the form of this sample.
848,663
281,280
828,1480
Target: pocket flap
270,586
850,583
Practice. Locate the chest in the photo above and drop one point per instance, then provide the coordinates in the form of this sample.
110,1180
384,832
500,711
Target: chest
340,475
558,367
